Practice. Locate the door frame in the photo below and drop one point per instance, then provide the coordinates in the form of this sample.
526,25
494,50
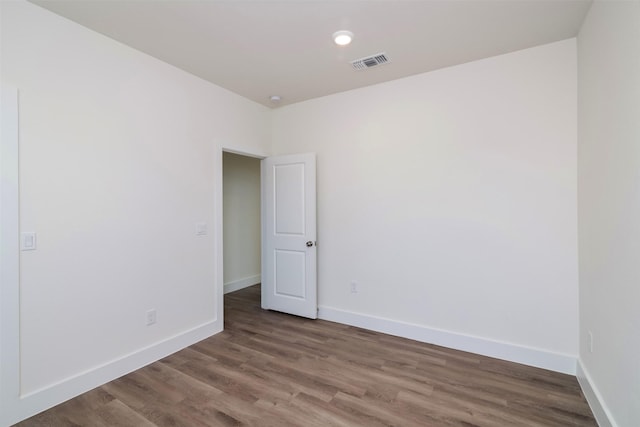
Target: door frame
11,402
219,226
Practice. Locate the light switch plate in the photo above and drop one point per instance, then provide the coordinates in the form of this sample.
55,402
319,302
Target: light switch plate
27,241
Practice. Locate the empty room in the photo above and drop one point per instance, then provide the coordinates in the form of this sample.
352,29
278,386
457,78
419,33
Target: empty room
460,246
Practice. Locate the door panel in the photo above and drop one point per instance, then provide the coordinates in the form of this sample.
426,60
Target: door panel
289,273
289,234
289,198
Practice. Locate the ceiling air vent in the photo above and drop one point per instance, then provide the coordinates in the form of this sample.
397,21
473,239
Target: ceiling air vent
370,61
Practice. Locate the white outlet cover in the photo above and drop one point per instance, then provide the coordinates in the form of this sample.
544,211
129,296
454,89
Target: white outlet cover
201,229
151,317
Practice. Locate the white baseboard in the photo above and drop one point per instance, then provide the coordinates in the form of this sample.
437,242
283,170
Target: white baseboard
506,351
236,285
594,398
45,398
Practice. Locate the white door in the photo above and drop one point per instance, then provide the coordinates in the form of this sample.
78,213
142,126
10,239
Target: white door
289,234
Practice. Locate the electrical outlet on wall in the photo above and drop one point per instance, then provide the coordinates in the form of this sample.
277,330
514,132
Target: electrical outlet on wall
151,317
354,287
201,229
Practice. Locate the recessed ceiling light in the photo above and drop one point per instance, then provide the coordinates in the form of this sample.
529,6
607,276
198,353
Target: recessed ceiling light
342,38
275,99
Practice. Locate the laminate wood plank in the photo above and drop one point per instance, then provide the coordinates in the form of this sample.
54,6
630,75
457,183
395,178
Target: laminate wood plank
374,411
282,373
457,413
325,412
117,414
276,370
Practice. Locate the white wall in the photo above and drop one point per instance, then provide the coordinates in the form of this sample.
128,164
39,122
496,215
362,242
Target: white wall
118,162
450,197
609,209
241,182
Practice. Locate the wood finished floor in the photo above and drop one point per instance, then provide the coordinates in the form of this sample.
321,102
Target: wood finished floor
271,369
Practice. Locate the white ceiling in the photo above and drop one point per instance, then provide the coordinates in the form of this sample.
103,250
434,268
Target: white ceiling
283,47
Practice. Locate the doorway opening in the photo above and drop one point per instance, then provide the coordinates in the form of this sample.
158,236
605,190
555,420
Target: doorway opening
241,224
273,245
